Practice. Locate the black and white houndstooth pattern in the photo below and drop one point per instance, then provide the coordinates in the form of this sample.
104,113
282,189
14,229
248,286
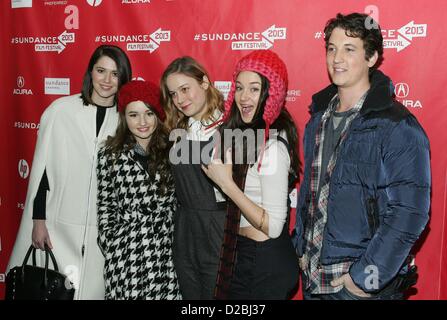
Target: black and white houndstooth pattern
135,224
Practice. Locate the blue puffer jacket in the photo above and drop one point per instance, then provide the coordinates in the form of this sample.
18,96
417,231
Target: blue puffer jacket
380,187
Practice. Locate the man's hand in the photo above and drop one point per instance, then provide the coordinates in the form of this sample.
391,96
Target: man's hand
346,281
303,262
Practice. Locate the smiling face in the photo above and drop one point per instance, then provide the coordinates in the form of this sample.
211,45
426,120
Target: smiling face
141,122
105,80
247,94
346,61
188,95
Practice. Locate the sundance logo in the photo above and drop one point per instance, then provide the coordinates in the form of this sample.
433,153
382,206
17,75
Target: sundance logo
401,38
20,90
138,42
247,41
23,169
21,4
47,43
57,86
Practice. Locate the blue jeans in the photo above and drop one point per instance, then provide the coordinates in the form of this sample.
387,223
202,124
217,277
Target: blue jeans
388,293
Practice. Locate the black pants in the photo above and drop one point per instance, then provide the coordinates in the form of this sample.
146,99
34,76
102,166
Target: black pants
265,270
198,239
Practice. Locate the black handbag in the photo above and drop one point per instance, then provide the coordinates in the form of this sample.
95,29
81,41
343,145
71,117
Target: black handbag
28,282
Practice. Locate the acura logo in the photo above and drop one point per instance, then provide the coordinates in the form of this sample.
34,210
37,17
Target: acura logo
402,90
20,81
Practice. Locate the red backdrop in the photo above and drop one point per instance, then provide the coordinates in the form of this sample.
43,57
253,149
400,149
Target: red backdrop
46,46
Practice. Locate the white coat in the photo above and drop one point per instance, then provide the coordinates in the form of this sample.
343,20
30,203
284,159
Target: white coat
67,149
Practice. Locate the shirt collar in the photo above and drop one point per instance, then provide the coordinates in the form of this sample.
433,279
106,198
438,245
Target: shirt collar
336,100
194,124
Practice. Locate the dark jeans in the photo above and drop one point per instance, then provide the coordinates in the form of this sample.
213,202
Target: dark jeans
393,291
344,294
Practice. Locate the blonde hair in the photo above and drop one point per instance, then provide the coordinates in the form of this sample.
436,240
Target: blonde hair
191,68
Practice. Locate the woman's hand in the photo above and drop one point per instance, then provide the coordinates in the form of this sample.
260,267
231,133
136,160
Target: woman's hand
40,235
220,173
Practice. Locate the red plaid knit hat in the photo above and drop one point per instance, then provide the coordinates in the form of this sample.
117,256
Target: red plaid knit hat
144,91
270,65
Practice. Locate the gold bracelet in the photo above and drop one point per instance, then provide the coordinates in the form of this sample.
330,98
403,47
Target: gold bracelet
262,220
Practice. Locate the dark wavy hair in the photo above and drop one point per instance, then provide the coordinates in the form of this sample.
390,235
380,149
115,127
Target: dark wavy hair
284,122
122,63
157,149
359,25
191,68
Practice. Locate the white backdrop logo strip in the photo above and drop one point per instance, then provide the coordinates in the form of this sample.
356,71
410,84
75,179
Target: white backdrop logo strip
21,4
57,86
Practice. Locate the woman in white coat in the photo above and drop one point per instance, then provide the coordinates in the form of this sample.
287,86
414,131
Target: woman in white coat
60,207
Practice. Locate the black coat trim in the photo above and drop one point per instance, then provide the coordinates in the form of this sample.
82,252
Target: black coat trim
379,99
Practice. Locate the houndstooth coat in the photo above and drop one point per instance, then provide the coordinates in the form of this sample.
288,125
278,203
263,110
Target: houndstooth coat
135,225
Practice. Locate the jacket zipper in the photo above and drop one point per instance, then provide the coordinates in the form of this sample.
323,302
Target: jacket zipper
92,168
88,199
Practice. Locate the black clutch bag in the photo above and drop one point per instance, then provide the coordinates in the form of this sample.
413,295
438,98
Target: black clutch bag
28,282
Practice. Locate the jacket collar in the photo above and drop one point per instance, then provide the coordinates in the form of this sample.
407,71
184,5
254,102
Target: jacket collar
380,95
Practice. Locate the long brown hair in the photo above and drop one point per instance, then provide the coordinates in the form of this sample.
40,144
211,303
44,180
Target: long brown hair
191,68
122,64
157,149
